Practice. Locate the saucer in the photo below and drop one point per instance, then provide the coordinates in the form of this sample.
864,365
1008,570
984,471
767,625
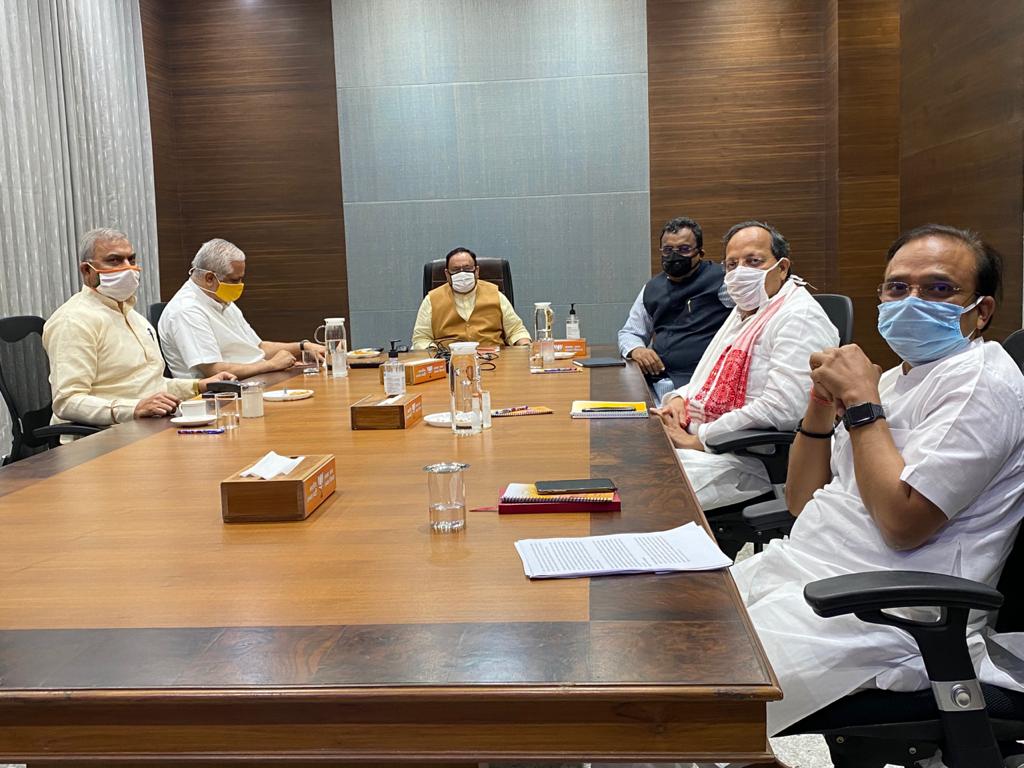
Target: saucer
442,419
564,355
193,421
364,352
280,395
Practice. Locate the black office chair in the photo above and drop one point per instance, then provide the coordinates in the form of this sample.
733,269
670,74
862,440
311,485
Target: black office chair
154,312
492,270
1014,345
25,386
153,315
733,524
975,725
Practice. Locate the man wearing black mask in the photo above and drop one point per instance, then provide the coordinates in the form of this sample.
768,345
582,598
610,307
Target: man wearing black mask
681,308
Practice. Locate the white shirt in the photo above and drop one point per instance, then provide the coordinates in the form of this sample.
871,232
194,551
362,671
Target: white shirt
196,329
958,423
779,382
104,358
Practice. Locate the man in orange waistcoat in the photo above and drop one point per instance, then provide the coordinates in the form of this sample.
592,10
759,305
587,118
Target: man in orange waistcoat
467,308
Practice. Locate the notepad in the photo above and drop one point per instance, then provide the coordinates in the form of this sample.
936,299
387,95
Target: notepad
526,493
522,498
601,409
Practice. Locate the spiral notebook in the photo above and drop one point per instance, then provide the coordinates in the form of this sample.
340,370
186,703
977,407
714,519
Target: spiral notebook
523,498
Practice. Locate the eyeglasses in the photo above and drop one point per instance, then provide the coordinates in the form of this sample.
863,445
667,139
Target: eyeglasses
938,290
682,250
457,270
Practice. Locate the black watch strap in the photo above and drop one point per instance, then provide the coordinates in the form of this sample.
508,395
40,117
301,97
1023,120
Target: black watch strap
302,344
815,435
862,414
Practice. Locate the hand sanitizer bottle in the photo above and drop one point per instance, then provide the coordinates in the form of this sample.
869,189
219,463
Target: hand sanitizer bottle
572,324
394,372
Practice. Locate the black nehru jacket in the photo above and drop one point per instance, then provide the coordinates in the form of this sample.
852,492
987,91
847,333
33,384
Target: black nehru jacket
686,316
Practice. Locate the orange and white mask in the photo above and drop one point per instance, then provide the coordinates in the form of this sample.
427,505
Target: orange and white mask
118,284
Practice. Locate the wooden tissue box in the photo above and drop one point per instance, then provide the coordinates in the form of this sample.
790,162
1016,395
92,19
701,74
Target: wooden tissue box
293,496
401,412
421,371
578,347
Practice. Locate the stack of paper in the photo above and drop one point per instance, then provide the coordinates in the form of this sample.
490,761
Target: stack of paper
687,548
272,465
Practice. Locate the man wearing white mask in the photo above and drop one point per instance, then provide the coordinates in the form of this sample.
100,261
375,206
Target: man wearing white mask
105,363
924,471
754,374
466,308
203,331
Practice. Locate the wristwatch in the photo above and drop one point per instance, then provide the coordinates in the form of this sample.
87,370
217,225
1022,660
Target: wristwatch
302,344
862,414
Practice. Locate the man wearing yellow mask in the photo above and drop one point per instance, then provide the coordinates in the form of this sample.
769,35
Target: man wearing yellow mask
202,330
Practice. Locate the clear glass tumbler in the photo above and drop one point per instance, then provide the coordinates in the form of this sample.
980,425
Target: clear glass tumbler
310,362
252,400
446,491
227,410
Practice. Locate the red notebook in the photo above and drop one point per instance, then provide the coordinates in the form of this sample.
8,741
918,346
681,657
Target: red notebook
520,498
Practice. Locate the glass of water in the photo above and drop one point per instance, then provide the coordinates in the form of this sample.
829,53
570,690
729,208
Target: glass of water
446,489
310,362
227,410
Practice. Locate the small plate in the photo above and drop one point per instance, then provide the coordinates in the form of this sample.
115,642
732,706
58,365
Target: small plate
280,395
564,355
364,352
442,419
193,421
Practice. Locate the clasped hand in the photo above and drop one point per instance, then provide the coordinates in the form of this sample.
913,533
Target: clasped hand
845,375
675,415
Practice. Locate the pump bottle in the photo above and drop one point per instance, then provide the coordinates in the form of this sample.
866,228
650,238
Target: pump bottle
394,372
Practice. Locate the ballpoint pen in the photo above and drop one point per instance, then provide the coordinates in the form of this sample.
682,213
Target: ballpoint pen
215,431
510,409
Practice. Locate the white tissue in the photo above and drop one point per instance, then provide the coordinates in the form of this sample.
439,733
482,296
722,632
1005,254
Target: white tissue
272,465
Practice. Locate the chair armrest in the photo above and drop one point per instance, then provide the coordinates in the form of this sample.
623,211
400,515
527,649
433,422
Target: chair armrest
768,515
56,430
861,592
749,438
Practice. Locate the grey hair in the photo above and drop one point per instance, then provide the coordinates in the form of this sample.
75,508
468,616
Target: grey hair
87,245
216,256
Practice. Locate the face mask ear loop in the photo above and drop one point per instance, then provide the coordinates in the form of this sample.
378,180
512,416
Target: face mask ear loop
968,309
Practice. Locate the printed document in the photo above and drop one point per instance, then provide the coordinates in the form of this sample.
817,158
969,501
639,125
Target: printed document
687,548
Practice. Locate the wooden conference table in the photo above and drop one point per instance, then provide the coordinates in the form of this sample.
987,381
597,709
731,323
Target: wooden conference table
137,628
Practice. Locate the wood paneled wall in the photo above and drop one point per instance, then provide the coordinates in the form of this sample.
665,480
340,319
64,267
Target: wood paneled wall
737,120
245,130
962,127
786,110
863,140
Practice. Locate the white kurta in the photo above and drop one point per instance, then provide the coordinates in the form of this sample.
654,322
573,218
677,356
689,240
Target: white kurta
778,388
959,425
196,329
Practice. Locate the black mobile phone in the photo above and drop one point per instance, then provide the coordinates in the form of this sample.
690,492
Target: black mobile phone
224,386
562,487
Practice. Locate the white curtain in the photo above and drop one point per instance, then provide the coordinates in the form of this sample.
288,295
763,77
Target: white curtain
75,147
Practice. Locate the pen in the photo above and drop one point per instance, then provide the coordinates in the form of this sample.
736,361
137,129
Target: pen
557,370
216,431
510,409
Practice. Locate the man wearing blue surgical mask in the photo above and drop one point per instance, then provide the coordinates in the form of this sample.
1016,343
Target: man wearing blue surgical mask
917,468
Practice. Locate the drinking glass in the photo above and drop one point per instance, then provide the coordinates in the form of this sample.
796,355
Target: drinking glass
310,362
227,410
446,491
252,400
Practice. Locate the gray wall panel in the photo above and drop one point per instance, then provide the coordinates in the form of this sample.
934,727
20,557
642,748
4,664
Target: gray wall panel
516,129
500,139
590,248
405,42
